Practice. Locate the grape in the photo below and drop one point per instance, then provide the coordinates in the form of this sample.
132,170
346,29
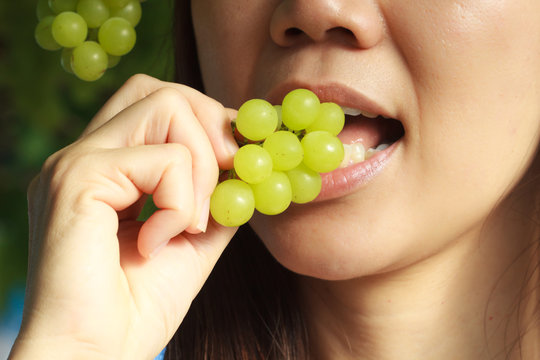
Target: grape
43,34
59,6
283,169
69,29
94,12
131,12
89,61
285,150
256,119
252,163
117,3
330,118
280,120
273,195
232,203
65,60
117,36
299,109
305,184
43,9
323,152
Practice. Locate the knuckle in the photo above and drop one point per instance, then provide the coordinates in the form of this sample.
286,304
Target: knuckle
179,154
139,80
170,97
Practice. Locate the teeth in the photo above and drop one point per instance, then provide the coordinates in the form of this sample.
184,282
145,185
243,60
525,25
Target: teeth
351,111
356,112
355,153
369,115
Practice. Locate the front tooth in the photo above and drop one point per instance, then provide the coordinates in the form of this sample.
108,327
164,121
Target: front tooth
358,154
351,111
369,115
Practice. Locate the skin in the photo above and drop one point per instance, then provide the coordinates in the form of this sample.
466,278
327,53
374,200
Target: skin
463,78
423,262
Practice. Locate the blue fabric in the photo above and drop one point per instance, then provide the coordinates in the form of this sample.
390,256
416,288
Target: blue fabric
161,355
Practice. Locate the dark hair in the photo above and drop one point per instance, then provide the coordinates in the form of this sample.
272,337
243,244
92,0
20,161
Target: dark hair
248,308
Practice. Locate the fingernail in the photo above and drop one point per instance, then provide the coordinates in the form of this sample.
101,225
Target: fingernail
203,216
158,249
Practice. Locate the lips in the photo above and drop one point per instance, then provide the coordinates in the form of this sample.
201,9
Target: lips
370,136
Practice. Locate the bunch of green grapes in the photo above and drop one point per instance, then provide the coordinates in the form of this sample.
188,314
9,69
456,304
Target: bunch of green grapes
93,34
288,146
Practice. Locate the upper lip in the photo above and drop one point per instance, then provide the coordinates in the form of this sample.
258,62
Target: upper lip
332,92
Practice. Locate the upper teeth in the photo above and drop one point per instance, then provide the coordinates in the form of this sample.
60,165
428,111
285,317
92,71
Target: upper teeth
356,112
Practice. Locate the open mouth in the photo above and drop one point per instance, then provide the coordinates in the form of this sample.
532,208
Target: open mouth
366,134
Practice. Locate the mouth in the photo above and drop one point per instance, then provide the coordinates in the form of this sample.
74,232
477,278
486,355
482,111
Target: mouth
371,134
366,134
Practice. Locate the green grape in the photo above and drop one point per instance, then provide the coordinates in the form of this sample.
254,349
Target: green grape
65,60
89,61
256,119
117,3
59,6
323,152
113,61
131,12
94,12
69,29
252,163
43,9
305,184
280,120
330,118
232,203
43,34
117,36
299,109
273,195
285,149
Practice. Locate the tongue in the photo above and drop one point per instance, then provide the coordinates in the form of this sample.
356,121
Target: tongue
359,129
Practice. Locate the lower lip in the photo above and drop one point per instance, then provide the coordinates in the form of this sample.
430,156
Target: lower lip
344,181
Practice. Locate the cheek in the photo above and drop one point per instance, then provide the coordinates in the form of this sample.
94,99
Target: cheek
229,36
476,70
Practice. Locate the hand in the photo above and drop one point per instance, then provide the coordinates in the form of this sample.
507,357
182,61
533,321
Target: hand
101,284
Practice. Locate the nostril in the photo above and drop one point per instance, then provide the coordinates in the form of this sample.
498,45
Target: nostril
293,32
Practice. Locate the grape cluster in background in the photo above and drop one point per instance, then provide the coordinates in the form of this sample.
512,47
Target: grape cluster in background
286,148
92,34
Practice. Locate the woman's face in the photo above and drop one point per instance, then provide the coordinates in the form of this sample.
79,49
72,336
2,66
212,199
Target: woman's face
461,76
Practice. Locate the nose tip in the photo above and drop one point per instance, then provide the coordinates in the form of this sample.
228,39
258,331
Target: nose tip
301,21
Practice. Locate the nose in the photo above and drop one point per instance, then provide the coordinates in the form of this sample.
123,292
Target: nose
356,23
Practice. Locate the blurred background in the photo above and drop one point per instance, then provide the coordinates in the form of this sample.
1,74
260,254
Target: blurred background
42,109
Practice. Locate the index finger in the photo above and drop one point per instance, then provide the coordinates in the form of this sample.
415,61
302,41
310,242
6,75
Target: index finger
213,116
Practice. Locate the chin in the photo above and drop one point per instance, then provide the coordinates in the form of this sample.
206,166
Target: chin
309,242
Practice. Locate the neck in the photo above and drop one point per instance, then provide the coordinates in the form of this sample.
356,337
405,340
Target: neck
474,300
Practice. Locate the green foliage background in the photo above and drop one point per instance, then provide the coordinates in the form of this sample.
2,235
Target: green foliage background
42,109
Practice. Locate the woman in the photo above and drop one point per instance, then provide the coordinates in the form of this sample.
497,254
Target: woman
428,251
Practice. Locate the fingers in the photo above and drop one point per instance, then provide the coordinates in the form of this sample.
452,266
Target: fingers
165,117
214,118
165,171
